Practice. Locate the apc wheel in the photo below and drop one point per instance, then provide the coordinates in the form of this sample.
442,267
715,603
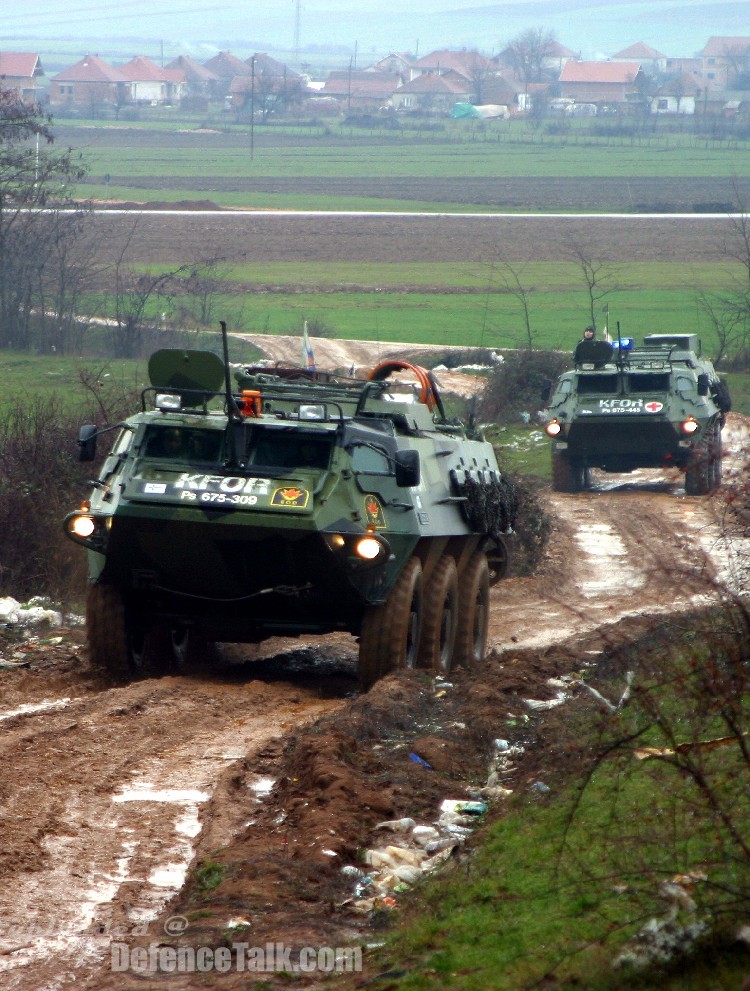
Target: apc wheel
699,473
567,475
717,453
116,645
105,632
473,612
389,637
440,618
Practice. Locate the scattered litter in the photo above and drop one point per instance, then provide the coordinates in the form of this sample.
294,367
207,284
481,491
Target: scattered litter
542,705
540,787
397,825
351,871
419,760
32,613
500,746
424,834
468,808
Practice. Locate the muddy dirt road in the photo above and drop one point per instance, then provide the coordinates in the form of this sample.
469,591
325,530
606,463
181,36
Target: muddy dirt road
110,796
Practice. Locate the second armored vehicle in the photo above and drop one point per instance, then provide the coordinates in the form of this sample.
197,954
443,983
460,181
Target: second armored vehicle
625,407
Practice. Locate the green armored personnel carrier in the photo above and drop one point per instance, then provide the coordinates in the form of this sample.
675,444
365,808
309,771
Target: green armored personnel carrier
291,502
625,407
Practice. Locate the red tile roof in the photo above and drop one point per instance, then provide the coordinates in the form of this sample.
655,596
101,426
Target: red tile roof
20,65
464,62
227,66
639,51
91,69
599,72
143,69
194,71
450,83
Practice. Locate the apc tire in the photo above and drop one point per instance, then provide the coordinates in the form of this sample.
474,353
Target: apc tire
699,473
470,647
390,633
567,475
441,610
117,646
106,635
717,454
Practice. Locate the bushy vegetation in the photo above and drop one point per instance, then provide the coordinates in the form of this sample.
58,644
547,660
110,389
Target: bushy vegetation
515,385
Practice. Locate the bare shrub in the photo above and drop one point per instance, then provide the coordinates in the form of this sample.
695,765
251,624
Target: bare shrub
40,481
515,386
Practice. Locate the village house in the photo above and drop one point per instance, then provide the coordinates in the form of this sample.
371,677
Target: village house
601,82
200,82
363,90
90,83
650,60
150,84
20,72
271,86
678,95
399,63
434,93
724,62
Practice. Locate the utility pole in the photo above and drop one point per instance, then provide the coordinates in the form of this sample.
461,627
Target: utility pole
297,25
252,108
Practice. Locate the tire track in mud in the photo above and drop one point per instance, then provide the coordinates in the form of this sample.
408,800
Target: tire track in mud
103,800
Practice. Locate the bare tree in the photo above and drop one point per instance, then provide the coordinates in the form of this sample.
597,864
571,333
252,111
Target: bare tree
529,51
32,177
728,310
600,277
511,275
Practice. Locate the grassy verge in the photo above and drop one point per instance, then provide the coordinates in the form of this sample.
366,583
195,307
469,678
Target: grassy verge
566,875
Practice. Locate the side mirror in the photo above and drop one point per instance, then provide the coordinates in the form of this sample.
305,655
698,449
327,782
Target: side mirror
546,390
87,442
703,384
407,469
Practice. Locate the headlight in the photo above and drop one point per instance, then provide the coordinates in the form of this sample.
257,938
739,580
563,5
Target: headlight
553,428
358,549
82,526
690,425
87,530
368,548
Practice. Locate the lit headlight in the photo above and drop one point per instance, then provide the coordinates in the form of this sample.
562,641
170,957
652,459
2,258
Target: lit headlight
358,549
690,425
553,428
82,526
368,548
90,531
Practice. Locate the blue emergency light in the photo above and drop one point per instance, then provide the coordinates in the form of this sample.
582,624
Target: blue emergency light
624,343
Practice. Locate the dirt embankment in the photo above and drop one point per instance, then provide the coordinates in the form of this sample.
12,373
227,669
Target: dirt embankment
259,780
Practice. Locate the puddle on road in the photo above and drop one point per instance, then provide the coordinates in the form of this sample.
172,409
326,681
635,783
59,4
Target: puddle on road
31,708
606,569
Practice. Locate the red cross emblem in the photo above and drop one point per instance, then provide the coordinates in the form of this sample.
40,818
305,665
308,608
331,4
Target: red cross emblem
653,407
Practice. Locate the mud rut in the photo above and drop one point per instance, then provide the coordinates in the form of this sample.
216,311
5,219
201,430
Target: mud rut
107,791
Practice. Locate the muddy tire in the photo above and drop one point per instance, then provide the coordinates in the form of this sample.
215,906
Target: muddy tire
118,647
699,473
106,635
567,475
716,455
470,647
440,622
390,634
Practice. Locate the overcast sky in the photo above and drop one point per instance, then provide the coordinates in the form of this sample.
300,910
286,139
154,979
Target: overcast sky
676,27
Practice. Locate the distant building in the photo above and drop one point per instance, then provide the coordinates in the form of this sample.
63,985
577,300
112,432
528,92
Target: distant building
650,60
199,81
151,84
724,62
20,72
601,82
434,93
89,83
678,95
